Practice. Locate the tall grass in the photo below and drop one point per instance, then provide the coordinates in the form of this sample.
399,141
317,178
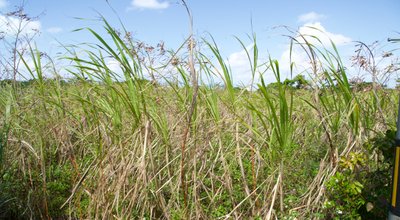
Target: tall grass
113,144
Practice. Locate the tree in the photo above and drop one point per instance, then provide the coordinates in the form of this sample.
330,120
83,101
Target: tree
299,82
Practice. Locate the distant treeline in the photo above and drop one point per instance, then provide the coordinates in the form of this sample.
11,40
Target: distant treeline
298,82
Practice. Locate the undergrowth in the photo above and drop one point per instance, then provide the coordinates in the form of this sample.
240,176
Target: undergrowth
175,139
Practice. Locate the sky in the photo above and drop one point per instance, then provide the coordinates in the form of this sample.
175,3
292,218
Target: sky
152,21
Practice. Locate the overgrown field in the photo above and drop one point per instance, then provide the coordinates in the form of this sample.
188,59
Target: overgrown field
160,139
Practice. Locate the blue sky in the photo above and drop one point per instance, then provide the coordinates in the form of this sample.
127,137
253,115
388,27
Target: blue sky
154,20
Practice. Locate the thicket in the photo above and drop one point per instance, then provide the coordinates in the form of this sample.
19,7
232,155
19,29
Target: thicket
163,139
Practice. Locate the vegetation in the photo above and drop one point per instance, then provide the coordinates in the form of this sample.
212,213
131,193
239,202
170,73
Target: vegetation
161,139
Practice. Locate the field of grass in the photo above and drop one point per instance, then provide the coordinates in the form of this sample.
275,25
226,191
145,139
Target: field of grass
161,140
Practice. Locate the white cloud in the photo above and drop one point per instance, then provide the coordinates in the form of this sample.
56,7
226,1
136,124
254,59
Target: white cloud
149,4
54,30
23,73
295,55
240,66
316,34
9,26
3,3
312,30
114,66
24,70
310,17
240,59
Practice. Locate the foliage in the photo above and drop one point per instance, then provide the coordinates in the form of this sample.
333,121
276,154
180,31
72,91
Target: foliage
361,189
298,82
377,181
344,190
144,142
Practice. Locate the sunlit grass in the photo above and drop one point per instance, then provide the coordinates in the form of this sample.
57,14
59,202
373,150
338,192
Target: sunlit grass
115,144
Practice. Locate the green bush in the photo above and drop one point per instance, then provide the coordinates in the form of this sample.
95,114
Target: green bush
344,190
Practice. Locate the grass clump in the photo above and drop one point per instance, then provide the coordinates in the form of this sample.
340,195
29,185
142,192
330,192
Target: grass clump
163,140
